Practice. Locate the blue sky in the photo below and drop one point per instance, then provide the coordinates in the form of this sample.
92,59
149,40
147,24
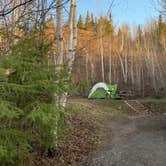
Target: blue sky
124,11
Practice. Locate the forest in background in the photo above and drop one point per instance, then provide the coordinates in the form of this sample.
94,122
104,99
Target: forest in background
43,59
134,58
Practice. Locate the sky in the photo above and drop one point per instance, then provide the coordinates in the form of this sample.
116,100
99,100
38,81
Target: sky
124,11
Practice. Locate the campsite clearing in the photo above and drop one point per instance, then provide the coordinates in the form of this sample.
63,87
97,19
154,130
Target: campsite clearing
131,139
109,132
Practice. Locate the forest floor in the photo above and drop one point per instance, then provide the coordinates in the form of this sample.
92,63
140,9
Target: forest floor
110,133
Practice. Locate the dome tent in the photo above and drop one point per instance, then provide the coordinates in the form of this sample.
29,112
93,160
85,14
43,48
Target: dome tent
102,90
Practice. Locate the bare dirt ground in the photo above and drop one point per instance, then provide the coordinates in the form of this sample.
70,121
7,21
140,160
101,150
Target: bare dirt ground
132,141
110,133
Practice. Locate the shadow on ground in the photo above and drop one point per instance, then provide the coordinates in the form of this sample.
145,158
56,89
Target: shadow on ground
132,141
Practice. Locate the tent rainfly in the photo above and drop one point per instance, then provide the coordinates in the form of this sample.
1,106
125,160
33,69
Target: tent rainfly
102,90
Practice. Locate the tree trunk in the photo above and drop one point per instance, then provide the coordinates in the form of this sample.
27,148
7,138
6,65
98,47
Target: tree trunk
72,42
72,39
102,59
43,17
59,36
110,66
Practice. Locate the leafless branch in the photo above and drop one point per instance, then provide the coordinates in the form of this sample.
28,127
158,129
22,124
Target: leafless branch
4,13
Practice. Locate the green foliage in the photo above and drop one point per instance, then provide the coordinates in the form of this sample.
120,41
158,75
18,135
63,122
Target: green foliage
119,33
80,23
88,22
161,30
160,25
105,26
92,22
109,25
30,114
97,24
84,86
139,35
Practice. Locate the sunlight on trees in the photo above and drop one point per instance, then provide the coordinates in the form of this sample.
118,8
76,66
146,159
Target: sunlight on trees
44,50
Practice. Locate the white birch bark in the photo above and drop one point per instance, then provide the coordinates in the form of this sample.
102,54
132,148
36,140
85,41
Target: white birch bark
72,39
59,40
110,65
72,42
122,67
102,59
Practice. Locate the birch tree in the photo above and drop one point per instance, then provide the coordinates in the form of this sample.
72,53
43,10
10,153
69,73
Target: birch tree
72,39
59,26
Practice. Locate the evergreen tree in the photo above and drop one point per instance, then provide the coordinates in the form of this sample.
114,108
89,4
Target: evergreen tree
110,18
139,34
88,23
30,116
105,25
160,25
161,30
119,32
109,25
80,22
95,23
92,22
100,26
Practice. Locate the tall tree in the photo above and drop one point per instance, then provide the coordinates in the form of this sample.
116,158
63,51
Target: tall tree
139,35
109,25
92,22
43,18
72,39
80,23
161,30
88,23
59,56
106,24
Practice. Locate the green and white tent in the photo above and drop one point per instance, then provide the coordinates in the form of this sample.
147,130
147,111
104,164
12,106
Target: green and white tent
102,90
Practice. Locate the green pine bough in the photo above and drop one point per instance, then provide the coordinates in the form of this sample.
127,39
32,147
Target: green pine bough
30,115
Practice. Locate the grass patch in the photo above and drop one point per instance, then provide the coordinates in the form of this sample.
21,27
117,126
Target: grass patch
155,101
155,105
116,107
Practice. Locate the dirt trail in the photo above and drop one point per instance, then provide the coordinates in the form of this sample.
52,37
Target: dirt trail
132,141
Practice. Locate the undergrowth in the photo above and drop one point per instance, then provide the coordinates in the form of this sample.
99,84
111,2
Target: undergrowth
31,117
